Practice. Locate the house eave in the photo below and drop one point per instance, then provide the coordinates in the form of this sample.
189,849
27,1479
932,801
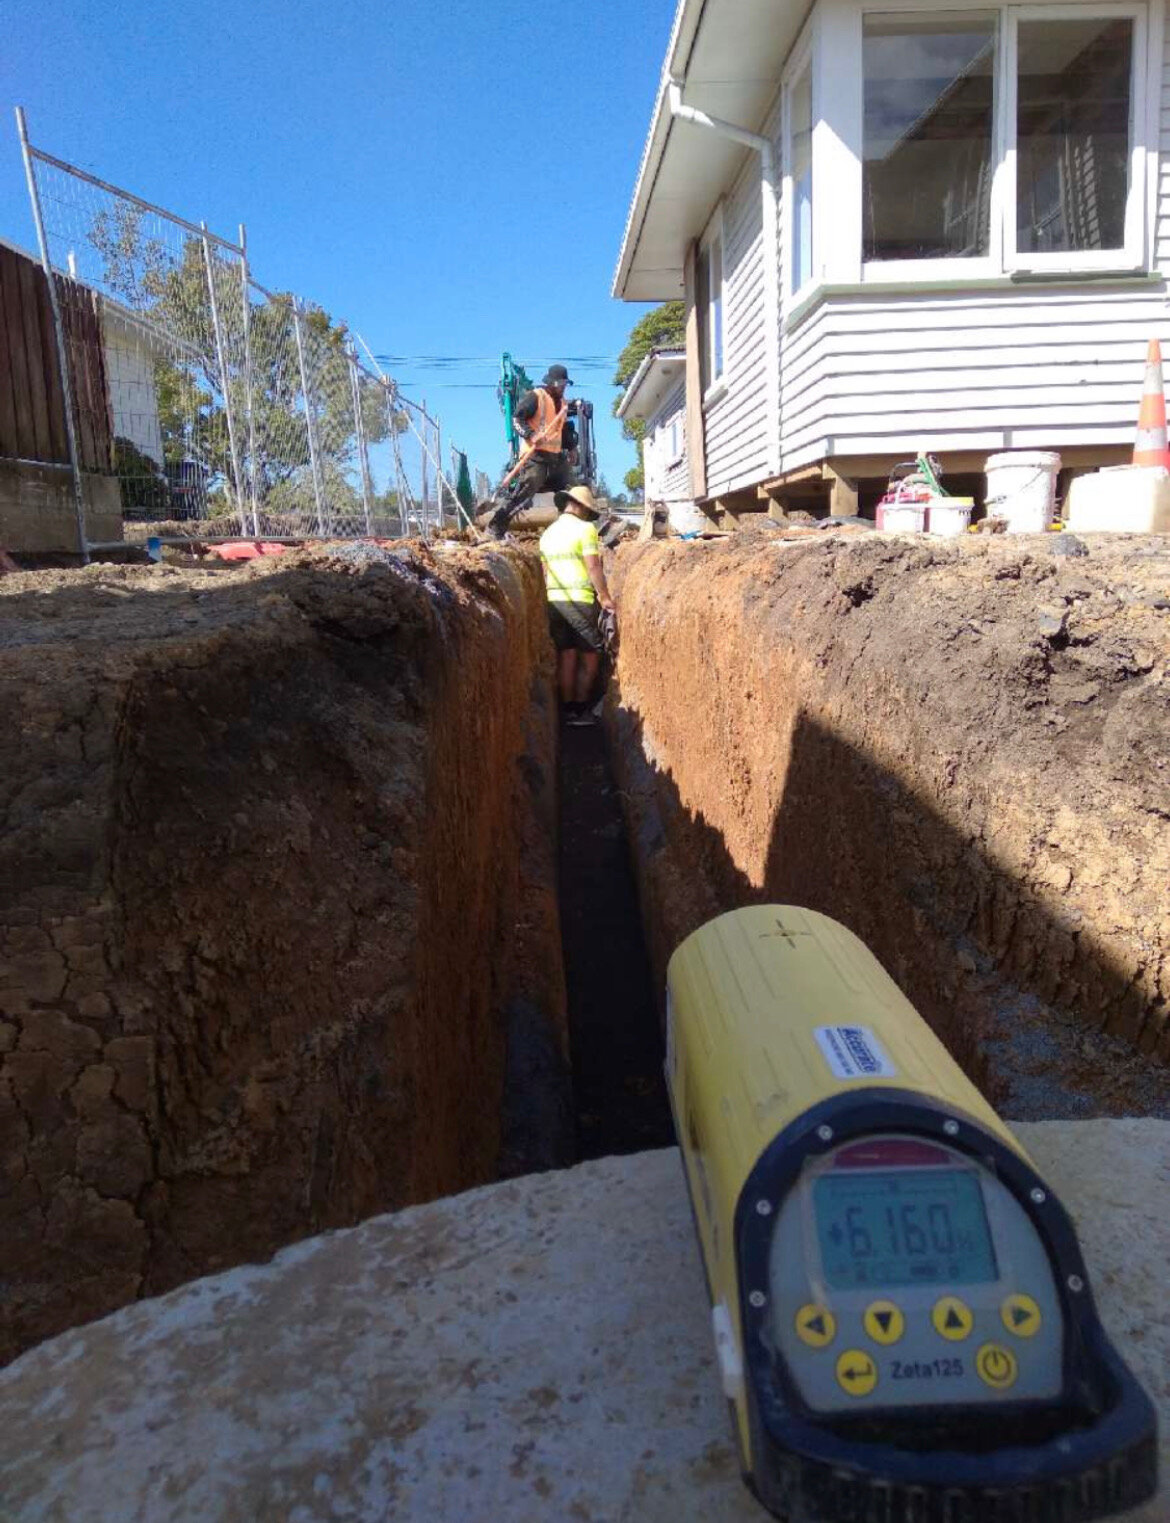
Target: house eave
650,383
729,55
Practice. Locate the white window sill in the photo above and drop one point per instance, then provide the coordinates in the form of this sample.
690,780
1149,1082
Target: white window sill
715,393
808,301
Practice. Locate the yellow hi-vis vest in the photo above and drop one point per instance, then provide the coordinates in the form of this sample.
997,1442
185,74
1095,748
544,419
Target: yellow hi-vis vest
545,429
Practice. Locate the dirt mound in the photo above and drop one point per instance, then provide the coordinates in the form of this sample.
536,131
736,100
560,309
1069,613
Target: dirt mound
962,750
275,864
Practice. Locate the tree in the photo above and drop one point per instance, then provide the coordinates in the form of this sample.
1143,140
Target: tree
663,327
170,294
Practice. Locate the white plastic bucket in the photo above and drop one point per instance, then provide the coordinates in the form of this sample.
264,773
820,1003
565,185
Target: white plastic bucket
1021,487
949,517
904,517
686,518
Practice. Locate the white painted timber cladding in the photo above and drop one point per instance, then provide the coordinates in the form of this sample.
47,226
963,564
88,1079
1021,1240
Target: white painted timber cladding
1025,367
736,422
667,475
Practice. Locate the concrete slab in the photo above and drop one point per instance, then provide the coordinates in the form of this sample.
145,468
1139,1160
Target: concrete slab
536,1350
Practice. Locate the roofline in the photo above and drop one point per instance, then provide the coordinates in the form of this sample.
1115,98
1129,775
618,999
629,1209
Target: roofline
663,357
686,24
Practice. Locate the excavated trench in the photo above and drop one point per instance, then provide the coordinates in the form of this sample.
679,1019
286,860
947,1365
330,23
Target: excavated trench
615,1037
279,941
960,749
307,912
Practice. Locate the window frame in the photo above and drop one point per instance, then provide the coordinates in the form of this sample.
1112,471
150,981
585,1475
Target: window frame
715,233
675,445
991,263
801,61
1003,259
1133,253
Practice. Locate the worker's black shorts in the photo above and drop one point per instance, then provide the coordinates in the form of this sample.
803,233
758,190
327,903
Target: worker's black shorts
575,626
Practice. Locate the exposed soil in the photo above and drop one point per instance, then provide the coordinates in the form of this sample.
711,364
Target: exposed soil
615,1038
277,899
960,749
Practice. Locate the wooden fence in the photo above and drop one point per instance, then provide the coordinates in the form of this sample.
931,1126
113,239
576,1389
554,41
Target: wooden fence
32,409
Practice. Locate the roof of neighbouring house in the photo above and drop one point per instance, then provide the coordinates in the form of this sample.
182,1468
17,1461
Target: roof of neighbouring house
727,54
651,383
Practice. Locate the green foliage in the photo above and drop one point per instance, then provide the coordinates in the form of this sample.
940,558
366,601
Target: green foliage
172,297
142,483
663,327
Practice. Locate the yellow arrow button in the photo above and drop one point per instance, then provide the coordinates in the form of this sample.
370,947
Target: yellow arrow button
884,1322
952,1319
816,1325
1021,1316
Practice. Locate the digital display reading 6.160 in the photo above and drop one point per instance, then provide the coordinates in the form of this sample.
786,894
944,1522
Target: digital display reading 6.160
902,1227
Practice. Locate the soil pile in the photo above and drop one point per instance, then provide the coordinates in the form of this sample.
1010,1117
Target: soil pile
277,867
961,750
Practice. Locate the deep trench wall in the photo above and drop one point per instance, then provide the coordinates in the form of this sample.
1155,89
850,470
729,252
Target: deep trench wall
276,855
960,749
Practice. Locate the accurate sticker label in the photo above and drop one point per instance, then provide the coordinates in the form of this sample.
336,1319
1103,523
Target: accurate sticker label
854,1052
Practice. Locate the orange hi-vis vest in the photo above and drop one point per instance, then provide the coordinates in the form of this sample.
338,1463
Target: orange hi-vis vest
546,427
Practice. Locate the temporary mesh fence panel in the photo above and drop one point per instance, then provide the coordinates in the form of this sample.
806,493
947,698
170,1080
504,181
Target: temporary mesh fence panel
210,397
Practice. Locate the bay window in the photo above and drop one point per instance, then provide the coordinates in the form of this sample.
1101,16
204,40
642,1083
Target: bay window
984,141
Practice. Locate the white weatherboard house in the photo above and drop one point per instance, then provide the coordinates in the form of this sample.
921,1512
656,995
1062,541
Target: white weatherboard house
903,226
658,393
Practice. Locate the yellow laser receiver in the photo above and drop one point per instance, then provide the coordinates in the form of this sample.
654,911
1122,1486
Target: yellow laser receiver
902,1314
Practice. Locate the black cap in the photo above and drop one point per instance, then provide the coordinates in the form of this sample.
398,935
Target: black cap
556,373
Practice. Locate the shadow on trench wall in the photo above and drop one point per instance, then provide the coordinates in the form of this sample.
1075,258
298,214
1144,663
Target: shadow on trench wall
1034,1013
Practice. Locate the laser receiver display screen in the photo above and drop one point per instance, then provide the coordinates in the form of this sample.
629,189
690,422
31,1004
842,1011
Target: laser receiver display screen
902,1227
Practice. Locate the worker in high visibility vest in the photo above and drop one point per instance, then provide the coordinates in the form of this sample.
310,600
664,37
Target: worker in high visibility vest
579,599
547,439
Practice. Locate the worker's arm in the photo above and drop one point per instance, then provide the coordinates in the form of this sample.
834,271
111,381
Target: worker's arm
524,414
597,576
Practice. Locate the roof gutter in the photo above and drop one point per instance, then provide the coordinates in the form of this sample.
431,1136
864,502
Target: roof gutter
770,199
665,358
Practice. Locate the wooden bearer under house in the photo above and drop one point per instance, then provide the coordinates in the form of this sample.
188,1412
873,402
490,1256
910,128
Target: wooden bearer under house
920,228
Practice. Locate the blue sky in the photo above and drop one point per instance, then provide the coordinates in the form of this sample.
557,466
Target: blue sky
434,173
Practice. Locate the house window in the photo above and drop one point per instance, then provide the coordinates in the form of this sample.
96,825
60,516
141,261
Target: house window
928,135
1072,133
709,296
800,125
993,140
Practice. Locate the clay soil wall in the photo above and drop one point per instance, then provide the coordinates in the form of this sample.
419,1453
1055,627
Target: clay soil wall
961,750
277,869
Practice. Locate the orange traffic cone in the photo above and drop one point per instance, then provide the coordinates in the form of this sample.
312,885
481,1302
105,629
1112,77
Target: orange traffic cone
1150,447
